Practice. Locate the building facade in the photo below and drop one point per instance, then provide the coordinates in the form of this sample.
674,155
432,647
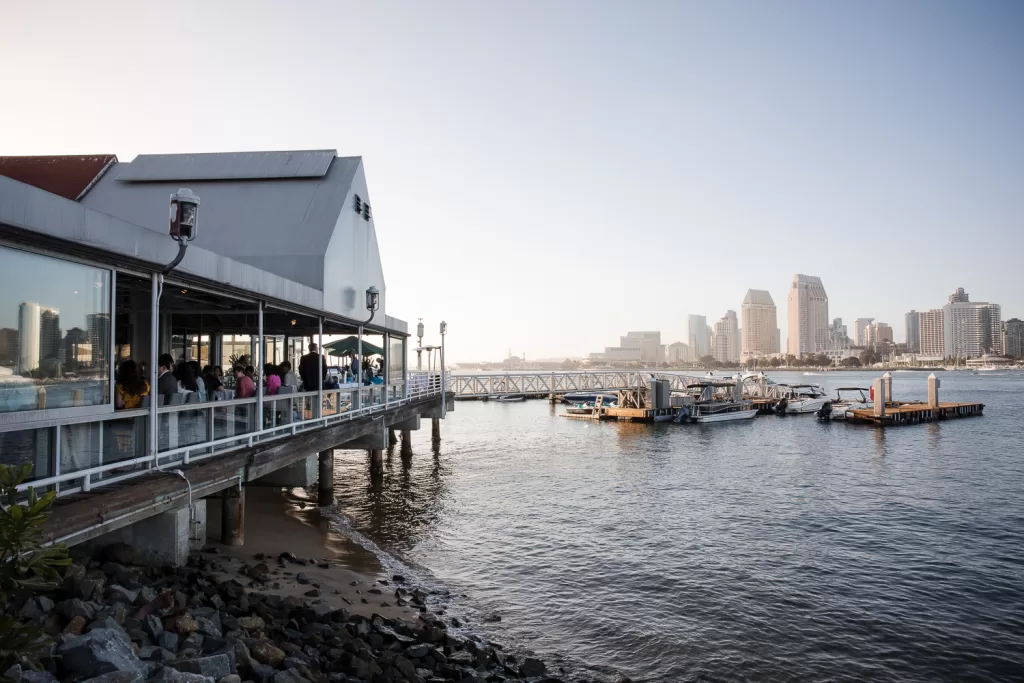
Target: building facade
678,352
760,329
959,296
699,335
808,316
635,347
972,329
1013,338
725,339
912,322
860,331
932,327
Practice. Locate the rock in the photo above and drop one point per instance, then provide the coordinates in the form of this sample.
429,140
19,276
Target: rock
302,578
312,593
398,578
105,623
375,591
37,677
462,657
491,618
168,641
455,622
153,626
262,673
147,595
287,557
69,609
251,623
75,626
122,553
268,654
119,677
13,674
231,678
117,593
209,627
531,667
214,666
169,675
184,624
289,676
418,651
99,652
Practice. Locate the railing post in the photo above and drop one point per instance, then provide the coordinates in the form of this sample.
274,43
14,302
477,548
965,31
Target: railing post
320,372
259,368
359,379
154,339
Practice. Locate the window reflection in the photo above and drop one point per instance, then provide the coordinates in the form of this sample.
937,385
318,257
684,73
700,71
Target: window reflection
54,333
396,360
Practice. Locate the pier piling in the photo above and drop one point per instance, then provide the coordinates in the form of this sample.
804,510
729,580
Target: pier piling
232,517
392,438
376,457
406,442
435,428
325,478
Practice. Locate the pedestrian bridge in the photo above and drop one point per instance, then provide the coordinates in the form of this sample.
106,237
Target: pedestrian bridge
543,384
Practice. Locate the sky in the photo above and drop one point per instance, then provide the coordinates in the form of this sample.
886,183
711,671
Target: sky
548,175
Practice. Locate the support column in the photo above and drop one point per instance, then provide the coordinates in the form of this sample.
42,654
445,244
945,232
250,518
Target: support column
435,428
232,516
880,397
376,457
406,443
887,381
933,391
325,480
392,438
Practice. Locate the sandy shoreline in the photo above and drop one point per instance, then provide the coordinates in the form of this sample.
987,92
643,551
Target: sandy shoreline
285,521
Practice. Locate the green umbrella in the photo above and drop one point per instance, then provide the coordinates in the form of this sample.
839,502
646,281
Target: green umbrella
351,345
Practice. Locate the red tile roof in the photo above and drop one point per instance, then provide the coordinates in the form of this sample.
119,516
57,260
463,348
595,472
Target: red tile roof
67,176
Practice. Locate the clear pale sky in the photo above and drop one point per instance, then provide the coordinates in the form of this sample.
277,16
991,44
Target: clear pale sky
549,175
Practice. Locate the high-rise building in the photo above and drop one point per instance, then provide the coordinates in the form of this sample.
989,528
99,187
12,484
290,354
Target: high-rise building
808,316
912,321
28,337
837,336
98,325
8,347
959,296
971,329
699,335
932,326
760,336
860,328
1013,338
881,332
724,337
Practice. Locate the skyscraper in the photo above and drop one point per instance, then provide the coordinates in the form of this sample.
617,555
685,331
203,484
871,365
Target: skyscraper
837,335
971,329
724,338
860,328
760,325
98,325
912,321
49,334
38,336
699,337
932,326
1013,338
808,316
959,296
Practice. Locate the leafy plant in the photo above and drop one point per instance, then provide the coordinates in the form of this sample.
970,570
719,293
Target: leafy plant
239,359
26,566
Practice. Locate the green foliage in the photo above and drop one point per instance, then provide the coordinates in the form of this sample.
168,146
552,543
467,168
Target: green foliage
26,567
240,359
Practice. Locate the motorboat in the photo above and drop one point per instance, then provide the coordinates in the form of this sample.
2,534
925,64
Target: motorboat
590,397
587,408
510,398
804,398
717,411
857,398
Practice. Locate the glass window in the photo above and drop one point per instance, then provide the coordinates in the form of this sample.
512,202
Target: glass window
54,333
397,360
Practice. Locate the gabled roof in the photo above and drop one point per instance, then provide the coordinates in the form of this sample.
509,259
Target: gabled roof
67,176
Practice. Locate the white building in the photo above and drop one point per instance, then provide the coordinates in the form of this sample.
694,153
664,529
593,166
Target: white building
932,329
760,332
912,322
28,337
972,329
808,316
725,338
679,352
635,347
860,331
699,335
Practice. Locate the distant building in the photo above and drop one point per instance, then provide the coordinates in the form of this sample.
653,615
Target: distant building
635,347
837,335
678,352
808,316
699,335
98,325
8,347
860,331
880,333
760,331
1013,338
972,329
725,336
932,328
959,296
912,322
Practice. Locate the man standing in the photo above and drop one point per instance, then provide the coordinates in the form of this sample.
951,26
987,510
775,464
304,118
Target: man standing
308,365
356,376
166,384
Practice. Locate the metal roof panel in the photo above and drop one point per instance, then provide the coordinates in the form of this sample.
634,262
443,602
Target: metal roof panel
228,166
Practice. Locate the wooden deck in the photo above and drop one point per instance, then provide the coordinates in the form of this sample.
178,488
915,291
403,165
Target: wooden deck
915,413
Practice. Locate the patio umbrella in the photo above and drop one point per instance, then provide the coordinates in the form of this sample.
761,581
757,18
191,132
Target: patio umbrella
351,345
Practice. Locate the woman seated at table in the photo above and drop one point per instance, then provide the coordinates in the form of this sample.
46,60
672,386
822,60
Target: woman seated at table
273,378
131,387
211,380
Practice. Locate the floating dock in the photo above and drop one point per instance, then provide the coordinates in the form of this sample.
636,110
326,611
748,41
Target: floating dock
914,413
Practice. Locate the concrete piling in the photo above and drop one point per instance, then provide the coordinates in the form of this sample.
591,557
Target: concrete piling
325,478
392,438
232,516
406,442
435,428
933,391
377,457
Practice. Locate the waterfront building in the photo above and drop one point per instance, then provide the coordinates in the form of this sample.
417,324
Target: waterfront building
932,326
912,322
725,336
1013,338
699,335
860,327
971,329
760,331
635,347
877,333
808,316
678,352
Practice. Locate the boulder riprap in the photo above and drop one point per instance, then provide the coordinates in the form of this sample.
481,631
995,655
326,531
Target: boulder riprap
216,621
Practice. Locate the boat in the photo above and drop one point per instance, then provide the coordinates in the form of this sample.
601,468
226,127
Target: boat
510,398
838,408
720,411
589,396
587,408
804,398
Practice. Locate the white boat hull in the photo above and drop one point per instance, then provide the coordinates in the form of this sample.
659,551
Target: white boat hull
725,417
805,405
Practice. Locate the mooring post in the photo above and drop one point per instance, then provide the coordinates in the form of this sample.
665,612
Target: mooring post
880,398
325,478
933,391
406,442
435,428
232,517
887,380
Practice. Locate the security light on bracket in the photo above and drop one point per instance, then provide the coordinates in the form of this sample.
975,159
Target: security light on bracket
372,302
183,223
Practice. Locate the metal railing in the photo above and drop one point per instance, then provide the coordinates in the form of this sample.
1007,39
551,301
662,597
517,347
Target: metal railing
87,451
546,383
